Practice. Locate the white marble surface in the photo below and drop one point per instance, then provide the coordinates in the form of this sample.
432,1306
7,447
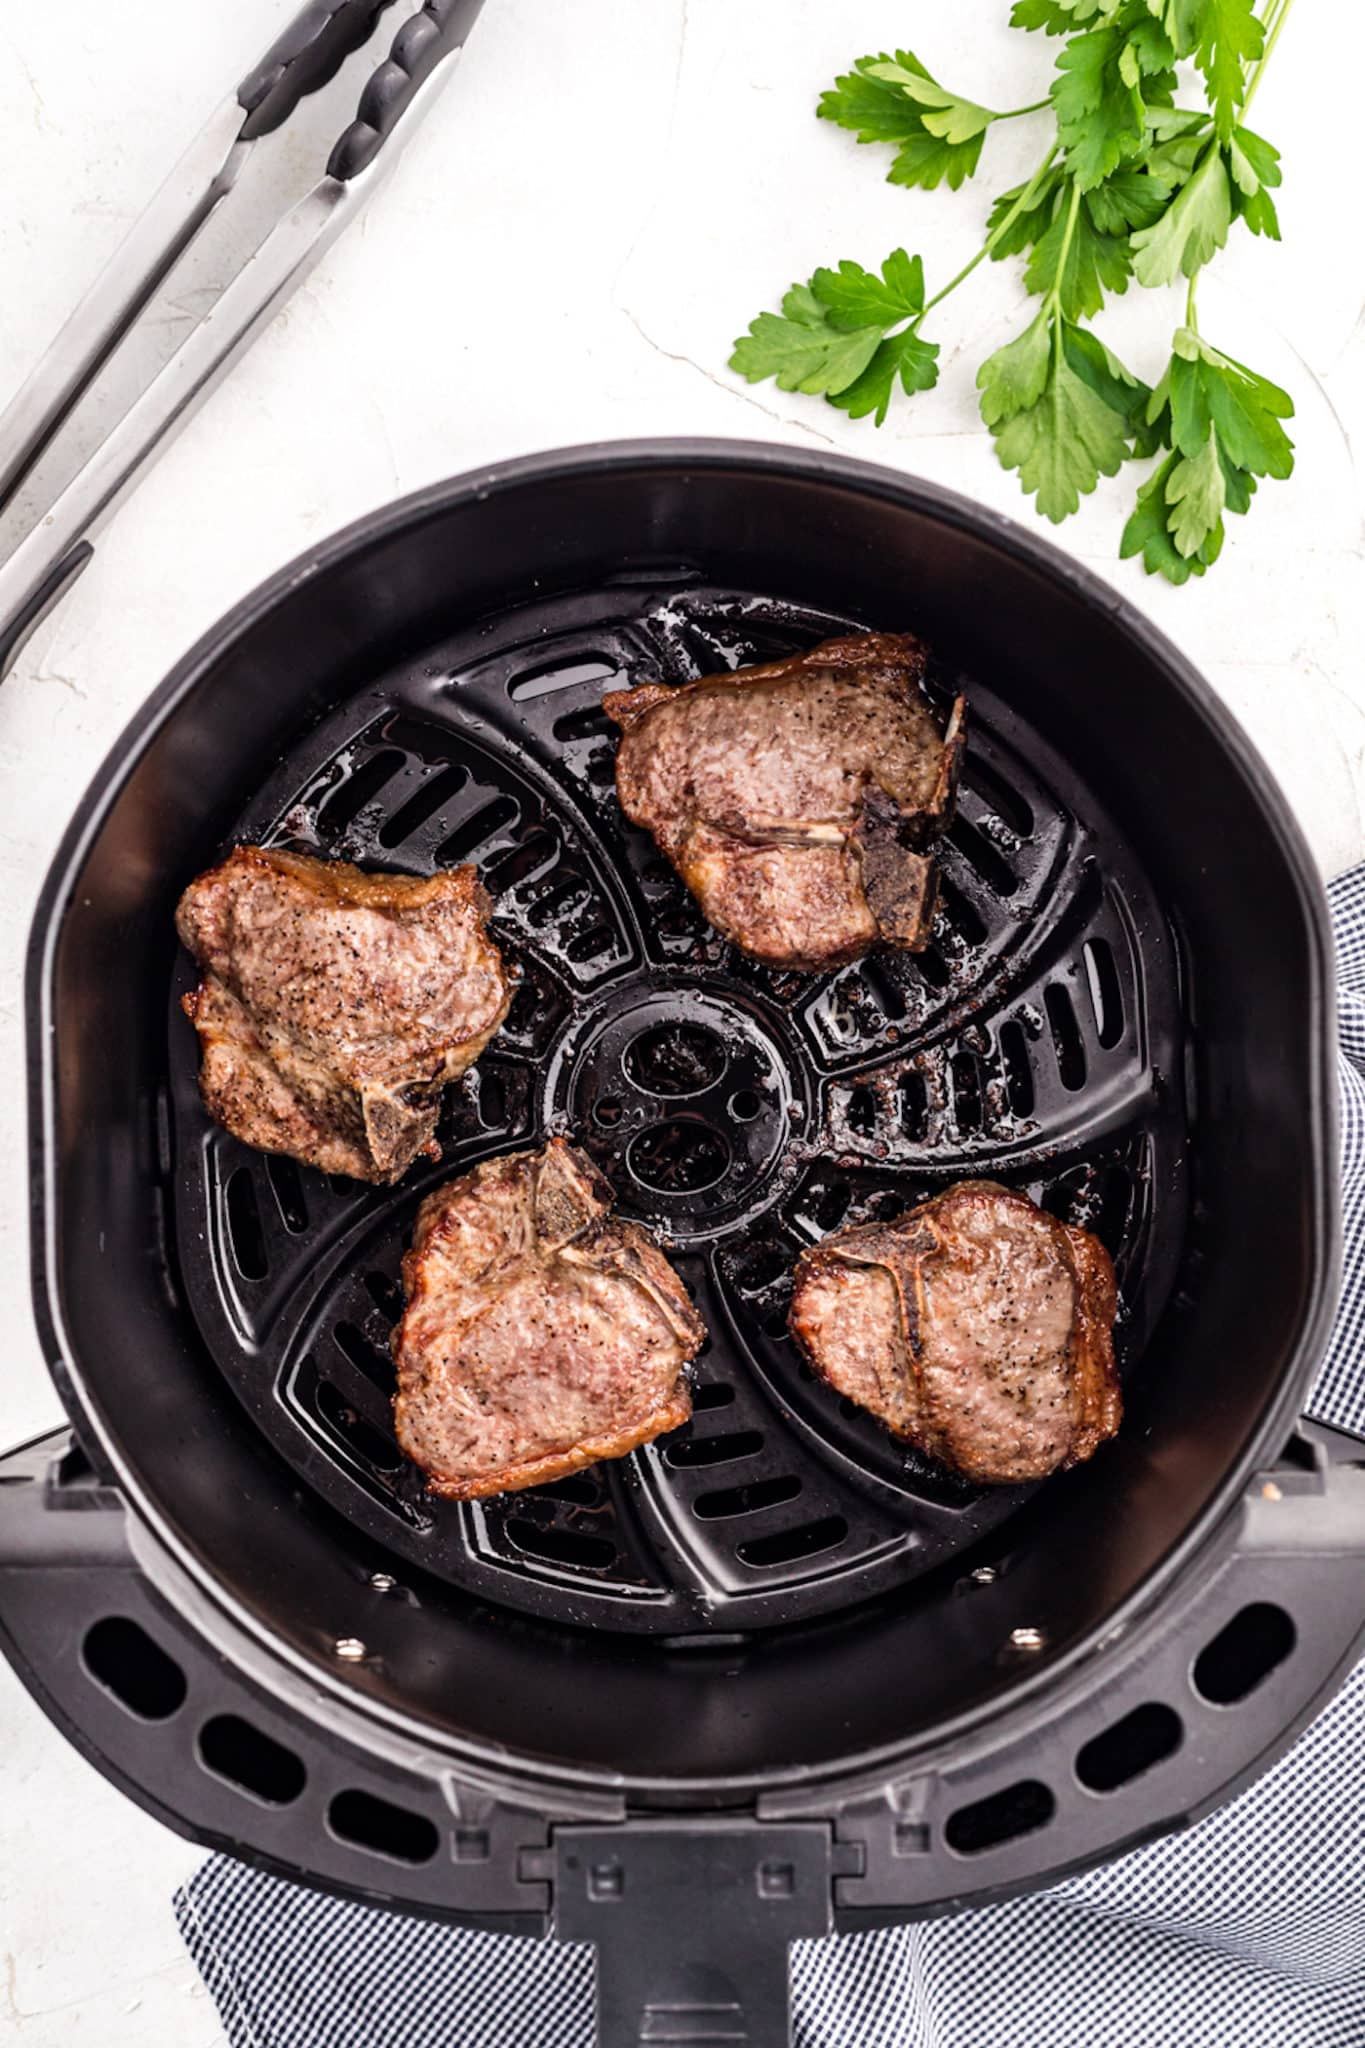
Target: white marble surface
607,193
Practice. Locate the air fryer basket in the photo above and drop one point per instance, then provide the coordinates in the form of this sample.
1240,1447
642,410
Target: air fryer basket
774,1663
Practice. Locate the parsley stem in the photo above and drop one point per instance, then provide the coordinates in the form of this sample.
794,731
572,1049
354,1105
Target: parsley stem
1024,200
1013,113
1191,319
1054,296
1275,21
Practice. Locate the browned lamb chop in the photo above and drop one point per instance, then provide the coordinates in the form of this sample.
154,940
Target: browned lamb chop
798,801
976,1325
335,1005
540,1333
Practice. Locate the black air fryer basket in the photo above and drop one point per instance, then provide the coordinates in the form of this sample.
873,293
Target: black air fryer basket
776,1673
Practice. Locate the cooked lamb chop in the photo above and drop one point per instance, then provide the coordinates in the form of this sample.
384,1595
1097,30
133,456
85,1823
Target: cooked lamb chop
797,800
975,1325
335,1005
540,1334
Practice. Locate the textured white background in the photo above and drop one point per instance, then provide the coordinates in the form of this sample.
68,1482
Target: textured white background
605,195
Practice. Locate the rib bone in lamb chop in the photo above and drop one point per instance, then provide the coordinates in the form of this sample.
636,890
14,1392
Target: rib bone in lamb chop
335,1005
540,1334
976,1325
798,801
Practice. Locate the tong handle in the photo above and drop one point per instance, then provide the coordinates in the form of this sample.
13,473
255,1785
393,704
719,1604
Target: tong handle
53,553
419,46
302,59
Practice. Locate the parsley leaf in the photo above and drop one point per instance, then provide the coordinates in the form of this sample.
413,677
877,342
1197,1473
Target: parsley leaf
1194,225
905,355
873,110
1094,263
1177,523
946,115
1015,377
802,349
1178,136
1059,17
1222,423
1196,493
1062,445
1050,423
1128,198
1208,389
1051,15
1099,107
1097,258
1181,20
1253,159
927,162
853,297
831,337
877,109
1107,377
1230,37
1255,166
1148,531
1149,51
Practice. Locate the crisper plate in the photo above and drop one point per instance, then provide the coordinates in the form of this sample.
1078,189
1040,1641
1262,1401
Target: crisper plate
742,1113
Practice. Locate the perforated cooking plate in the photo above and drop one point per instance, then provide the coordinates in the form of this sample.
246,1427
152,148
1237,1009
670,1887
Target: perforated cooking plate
741,1113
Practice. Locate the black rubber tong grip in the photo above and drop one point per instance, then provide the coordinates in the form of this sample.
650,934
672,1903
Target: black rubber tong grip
303,58
418,48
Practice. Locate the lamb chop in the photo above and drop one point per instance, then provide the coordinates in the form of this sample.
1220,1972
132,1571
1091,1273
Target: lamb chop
977,1326
540,1333
798,801
335,1005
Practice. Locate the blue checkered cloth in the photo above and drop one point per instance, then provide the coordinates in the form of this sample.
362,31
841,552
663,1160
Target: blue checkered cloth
1247,1931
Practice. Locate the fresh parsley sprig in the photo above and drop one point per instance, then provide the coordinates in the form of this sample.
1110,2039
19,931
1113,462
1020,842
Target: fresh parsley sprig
1133,187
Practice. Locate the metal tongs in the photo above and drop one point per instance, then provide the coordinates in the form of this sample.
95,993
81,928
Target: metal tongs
308,54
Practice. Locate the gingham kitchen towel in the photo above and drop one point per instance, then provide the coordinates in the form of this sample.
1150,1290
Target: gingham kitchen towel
1247,1931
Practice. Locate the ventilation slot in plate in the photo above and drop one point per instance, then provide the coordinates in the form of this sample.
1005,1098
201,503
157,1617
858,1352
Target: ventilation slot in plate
244,1225
492,818
713,1450
789,1546
1106,998
591,723
745,1500
1066,1036
286,1184
1018,1072
348,1427
343,807
419,810
985,859
562,1546
376,1363
574,675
